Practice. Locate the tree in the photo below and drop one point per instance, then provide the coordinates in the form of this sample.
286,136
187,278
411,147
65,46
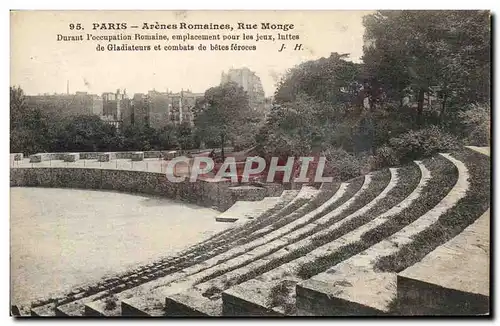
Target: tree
168,137
220,115
418,52
31,130
184,135
18,106
89,133
317,103
333,80
141,137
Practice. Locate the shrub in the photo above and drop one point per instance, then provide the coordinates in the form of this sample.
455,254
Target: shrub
476,122
385,156
341,165
417,144
110,303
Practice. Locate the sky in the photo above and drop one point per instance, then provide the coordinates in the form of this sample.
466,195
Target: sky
41,64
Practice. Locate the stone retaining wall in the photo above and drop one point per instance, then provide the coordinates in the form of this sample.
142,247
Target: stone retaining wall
208,193
420,298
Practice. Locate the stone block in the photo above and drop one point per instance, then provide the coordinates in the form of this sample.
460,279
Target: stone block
171,155
316,298
236,301
138,156
89,155
17,156
152,154
37,158
250,193
416,297
71,157
106,157
57,156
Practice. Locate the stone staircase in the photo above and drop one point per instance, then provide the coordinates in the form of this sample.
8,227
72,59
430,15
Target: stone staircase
402,241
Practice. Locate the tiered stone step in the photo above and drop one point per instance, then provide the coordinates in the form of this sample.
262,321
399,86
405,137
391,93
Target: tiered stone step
354,287
141,293
482,150
455,275
265,258
236,258
247,209
287,199
297,244
253,296
284,200
307,201
453,279
252,209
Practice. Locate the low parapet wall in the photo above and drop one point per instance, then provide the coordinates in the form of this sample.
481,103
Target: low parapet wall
165,154
39,157
208,193
16,156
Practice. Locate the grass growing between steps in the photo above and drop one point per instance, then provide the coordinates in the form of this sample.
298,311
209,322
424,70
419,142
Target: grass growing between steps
353,187
259,223
311,205
293,211
409,177
110,303
249,227
280,294
238,235
379,182
452,222
308,206
444,177
247,237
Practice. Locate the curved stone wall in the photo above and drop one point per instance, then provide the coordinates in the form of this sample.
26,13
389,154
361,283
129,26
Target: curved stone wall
210,193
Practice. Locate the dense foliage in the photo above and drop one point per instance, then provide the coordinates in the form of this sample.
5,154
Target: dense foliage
224,116
33,131
423,86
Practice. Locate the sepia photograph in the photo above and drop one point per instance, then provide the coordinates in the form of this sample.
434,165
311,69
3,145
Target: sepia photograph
248,163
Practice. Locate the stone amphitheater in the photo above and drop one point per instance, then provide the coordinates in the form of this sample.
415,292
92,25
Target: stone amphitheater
412,240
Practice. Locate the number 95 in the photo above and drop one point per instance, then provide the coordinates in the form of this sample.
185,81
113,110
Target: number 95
75,26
